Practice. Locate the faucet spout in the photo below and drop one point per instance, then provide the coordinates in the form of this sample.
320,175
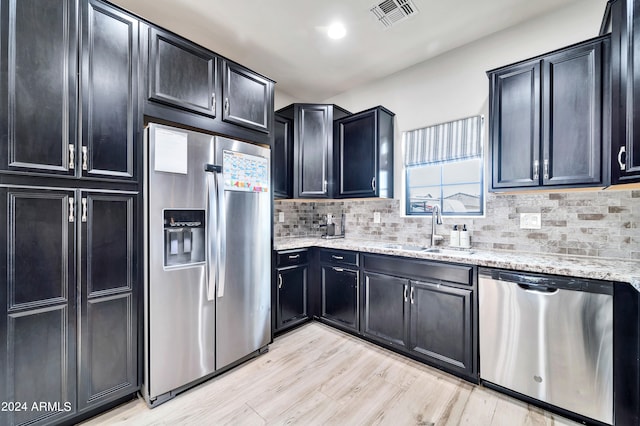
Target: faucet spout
436,219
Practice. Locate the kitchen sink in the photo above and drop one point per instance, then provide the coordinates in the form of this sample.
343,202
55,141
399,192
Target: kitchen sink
407,247
447,251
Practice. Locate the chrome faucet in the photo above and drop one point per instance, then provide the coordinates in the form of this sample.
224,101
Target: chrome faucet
436,219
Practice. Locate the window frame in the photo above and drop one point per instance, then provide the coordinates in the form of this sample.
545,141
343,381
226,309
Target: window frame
441,186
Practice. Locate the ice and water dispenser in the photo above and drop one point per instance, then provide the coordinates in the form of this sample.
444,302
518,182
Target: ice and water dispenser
184,237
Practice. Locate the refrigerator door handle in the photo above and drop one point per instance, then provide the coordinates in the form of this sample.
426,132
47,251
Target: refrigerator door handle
221,234
212,226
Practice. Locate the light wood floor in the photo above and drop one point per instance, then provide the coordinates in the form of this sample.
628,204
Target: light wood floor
316,375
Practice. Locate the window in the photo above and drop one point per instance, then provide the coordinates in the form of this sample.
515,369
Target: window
444,167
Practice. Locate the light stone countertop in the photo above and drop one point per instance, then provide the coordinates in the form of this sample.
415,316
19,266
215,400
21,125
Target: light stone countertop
623,270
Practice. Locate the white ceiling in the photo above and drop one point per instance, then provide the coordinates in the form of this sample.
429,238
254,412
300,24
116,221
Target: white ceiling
285,39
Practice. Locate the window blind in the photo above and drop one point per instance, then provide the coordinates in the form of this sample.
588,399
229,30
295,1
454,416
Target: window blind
453,140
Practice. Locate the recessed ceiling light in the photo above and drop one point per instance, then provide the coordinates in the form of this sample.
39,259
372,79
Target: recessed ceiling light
336,31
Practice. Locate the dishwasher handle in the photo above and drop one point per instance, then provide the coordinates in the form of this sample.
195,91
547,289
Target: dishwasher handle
542,289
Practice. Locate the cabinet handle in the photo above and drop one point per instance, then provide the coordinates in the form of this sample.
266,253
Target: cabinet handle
226,106
279,281
412,295
84,158
373,183
213,103
324,186
294,256
536,170
84,210
406,293
71,210
546,169
622,164
72,156
338,269
333,256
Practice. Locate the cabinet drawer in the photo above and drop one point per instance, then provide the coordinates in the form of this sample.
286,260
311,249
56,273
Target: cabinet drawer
339,256
419,269
291,257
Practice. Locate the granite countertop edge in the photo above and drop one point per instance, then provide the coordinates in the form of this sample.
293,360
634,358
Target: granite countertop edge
607,269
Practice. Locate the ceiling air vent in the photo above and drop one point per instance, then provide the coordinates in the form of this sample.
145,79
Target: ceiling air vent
391,12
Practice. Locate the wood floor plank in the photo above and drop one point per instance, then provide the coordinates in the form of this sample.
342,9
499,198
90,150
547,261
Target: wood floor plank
317,375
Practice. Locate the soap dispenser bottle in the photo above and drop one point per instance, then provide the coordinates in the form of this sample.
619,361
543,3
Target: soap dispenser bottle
465,239
454,239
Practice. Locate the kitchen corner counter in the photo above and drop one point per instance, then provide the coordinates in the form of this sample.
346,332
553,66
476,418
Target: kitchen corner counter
623,270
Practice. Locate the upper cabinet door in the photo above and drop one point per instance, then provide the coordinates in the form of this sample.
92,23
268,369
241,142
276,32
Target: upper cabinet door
515,125
109,92
181,74
282,158
38,86
364,154
357,155
248,98
572,116
313,134
625,78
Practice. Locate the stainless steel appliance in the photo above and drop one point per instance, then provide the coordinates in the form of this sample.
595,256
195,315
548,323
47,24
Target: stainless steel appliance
549,338
207,255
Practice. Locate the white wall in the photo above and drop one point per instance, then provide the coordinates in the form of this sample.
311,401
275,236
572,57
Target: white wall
282,99
454,85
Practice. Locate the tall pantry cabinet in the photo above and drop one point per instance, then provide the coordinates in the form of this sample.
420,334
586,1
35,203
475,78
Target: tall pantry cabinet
69,144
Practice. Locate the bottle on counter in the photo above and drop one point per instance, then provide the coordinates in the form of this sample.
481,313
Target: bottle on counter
454,239
465,238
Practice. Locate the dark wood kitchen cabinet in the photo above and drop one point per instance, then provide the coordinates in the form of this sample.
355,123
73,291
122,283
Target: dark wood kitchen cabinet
40,112
108,300
38,86
291,289
282,157
109,88
364,154
248,98
547,119
313,147
384,308
625,77
440,323
38,302
47,326
339,282
422,308
181,74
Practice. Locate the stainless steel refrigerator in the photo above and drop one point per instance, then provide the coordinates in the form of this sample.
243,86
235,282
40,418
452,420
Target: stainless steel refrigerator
207,254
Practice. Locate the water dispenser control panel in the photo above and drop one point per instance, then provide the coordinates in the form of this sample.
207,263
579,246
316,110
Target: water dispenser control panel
184,237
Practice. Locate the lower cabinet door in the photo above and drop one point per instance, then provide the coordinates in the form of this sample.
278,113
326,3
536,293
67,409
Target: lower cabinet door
440,327
108,305
37,306
292,296
385,308
340,296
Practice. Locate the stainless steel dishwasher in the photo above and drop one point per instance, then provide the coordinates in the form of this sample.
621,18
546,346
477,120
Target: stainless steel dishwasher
549,338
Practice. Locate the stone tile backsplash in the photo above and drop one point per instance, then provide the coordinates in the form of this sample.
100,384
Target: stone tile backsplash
594,223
